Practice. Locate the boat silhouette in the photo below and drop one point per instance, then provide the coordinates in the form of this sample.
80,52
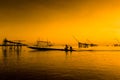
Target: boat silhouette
48,49
47,46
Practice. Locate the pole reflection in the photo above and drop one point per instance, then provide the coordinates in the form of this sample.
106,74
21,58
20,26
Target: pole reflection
10,55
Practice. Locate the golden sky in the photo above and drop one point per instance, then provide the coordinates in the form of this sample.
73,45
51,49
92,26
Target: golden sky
60,20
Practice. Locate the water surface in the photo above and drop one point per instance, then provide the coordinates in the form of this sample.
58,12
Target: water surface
59,65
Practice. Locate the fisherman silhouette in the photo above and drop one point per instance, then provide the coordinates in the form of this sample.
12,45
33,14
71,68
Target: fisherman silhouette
71,48
66,47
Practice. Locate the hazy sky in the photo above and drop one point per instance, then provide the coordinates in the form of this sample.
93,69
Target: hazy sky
59,20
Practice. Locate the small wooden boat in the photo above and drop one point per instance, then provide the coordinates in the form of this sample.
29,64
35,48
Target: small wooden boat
47,46
48,49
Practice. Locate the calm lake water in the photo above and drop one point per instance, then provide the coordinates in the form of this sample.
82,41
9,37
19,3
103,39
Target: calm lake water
59,65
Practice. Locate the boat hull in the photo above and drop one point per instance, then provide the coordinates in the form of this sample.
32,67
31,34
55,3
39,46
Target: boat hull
48,49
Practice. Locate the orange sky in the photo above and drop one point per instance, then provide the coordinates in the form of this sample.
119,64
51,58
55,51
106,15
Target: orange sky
59,20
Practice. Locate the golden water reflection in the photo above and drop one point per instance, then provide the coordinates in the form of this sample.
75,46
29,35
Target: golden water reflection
59,65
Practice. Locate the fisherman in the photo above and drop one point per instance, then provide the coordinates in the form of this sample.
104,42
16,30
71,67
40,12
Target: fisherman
66,47
71,48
